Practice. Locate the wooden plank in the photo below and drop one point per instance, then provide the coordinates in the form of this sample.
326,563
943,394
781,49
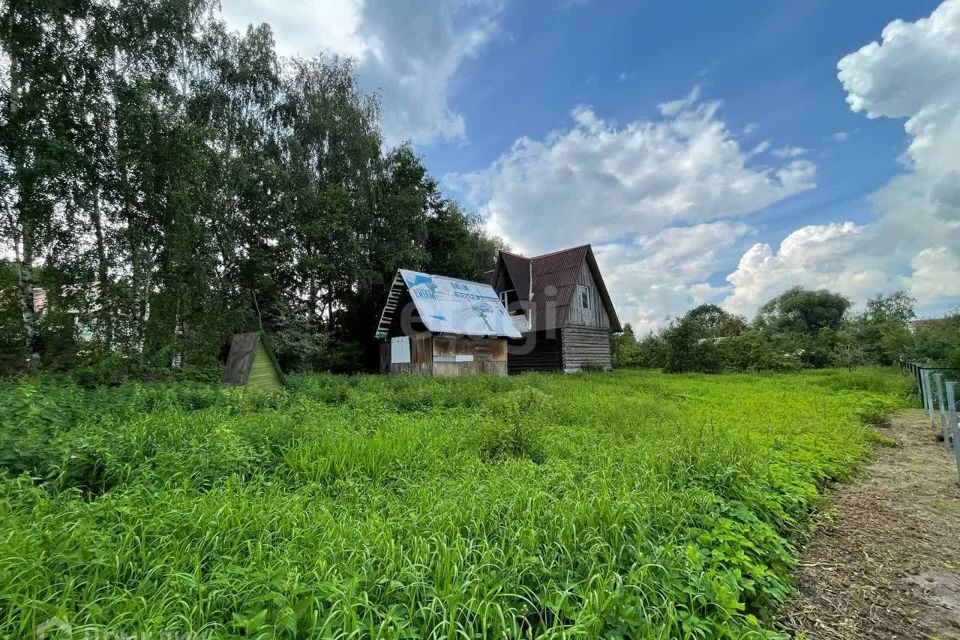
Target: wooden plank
585,347
596,315
446,368
444,346
423,345
539,351
242,350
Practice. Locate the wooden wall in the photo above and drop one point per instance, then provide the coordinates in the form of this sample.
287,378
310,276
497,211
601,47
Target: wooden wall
437,355
421,356
596,315
546,353
585,347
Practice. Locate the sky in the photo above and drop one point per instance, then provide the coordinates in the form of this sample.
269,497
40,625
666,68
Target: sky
709,152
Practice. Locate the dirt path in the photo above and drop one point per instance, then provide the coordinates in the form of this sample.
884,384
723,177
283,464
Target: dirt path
886,564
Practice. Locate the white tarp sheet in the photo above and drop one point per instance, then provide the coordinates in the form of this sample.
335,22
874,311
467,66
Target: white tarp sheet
448,305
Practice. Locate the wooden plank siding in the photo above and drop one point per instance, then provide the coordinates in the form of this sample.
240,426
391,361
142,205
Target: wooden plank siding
488,356
537,351
596,315
585,347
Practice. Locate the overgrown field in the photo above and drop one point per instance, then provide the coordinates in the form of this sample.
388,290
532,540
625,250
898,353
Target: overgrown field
624,505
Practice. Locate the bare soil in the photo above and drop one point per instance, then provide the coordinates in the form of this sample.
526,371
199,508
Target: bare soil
885,562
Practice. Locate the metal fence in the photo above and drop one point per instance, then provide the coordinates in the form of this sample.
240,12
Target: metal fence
939,394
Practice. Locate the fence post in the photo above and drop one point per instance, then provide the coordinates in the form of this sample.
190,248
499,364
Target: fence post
920,383
927,396
954,426
947,433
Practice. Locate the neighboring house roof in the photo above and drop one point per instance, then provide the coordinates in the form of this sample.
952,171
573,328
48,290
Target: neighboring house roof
549,280
930,323
449,305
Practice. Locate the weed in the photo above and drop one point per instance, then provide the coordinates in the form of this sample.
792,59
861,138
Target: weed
624,504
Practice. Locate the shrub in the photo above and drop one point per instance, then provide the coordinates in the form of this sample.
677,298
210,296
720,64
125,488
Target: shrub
514,431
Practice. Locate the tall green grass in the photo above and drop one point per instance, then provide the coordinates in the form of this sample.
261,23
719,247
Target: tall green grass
630,505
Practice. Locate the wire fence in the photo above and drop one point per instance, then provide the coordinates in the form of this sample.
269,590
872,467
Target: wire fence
939,394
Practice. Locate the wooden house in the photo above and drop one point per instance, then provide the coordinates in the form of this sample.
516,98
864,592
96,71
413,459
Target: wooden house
443,326
251,364
560,303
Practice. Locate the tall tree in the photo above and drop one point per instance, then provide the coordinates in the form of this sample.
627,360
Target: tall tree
800,310
36,118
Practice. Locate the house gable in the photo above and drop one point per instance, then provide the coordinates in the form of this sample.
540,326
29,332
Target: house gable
251,364
554,282
590,276
587,307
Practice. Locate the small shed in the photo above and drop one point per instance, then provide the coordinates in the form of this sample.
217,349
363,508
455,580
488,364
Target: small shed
251,364
436,325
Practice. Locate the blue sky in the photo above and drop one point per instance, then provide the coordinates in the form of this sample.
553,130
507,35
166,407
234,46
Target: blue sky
764,171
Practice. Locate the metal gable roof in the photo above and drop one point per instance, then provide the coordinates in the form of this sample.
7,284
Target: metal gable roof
554,282
450,305
518,268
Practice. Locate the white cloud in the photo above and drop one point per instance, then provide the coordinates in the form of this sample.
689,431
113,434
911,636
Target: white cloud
656,198
816,256
790,152
666,273
673,107
935,273
596,182
409,55
912,73
763,147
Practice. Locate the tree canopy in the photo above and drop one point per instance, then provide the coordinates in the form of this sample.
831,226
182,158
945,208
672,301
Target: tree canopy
799,328
165,181
803,311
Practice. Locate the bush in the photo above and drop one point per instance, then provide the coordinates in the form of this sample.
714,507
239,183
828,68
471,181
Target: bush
117,369
513,431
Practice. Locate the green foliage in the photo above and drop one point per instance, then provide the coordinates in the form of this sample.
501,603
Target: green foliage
800,310
631,504
937,342
798,329
119,368
753,351
515,431
624,348
168,185
694,341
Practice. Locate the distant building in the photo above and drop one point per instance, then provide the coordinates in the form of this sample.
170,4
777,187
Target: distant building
929,323
436,325
561,305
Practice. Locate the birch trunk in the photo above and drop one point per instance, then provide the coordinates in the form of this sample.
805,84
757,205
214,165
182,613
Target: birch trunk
103,273
25,278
